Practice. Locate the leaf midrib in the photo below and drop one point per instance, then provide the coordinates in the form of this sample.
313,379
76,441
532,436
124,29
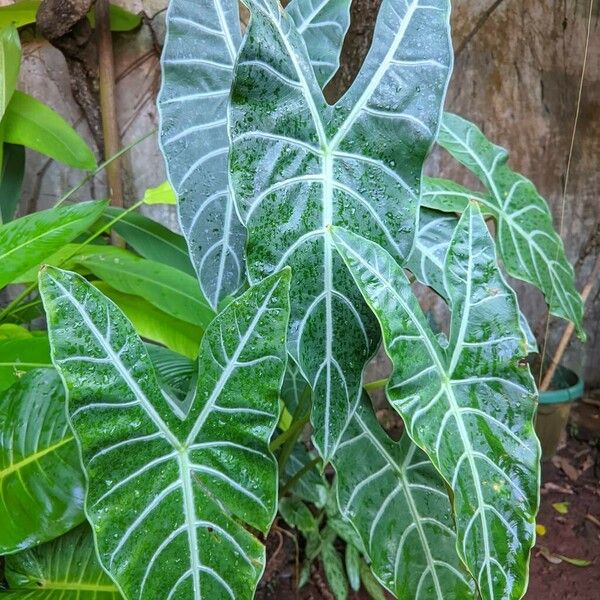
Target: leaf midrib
37,455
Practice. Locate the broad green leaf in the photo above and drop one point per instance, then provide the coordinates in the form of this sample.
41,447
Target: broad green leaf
426,260
197,62
299,165
161,194
26,242
152,240
529,247
296,514
63,569
120,19
175,293
17,356
469,404
294,391
19,13
153,324
323,25
10,62
172,486
11,180
33,124
398,504
37,448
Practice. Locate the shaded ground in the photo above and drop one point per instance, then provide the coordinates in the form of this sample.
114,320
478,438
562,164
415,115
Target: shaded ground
572,478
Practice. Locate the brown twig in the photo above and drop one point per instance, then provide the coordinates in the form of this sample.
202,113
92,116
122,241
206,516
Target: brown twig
108,108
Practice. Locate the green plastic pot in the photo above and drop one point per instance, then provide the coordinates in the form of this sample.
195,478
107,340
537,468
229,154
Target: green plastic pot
554,409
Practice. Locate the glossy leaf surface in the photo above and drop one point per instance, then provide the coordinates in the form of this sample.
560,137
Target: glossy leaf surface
37,447
171,485
31,123
63,569
152,240
10,61
26,242
175,293
11,180
323,25
200,51
398,503
529,247
469,404
299,165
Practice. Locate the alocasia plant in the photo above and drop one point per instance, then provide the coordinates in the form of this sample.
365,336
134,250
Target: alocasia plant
170,485
314,210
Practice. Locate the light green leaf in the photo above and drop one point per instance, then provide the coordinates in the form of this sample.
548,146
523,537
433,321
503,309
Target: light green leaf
63,569
469,404
161,194
10,62
17,356
529,247
26,242
334,571
171,486
323,25
152,240
175,293
299,165
448,196
398,504
155,325
200,50
33,124
120,19
19,13
426,260
37,448
370,583
11,180
561,507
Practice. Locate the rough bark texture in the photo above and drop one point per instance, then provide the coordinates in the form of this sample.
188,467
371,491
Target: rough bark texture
516,75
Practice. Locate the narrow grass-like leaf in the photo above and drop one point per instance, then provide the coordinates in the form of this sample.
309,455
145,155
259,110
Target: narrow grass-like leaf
299,165
37,447
469,404
11,180
10,62
398,503
172,486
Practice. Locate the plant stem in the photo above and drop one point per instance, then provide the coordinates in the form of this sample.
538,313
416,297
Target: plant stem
291,482
108,107
15,303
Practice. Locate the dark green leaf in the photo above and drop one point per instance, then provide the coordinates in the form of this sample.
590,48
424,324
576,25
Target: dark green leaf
26,242
171,486
11,180
296,514
31,123
41,483
152,240
334,571
120,19
469,404
298,165
312,486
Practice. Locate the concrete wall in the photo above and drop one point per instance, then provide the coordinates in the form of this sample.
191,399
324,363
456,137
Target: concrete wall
517,71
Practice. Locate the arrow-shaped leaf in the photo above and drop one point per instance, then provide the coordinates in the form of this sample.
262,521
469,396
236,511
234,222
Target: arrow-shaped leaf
170,485
200,50
529,247
469,405
63,569
298,165
399,505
